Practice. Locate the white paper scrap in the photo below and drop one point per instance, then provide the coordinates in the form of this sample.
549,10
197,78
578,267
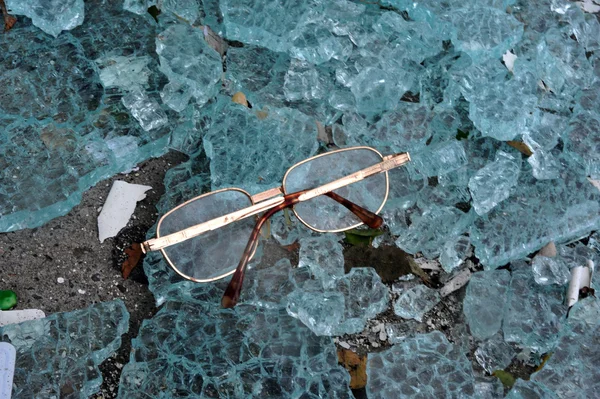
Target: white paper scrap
589,6
8,356
19,316
119,207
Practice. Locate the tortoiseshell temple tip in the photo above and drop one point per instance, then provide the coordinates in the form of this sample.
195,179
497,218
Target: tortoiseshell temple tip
376,223
227,302
366,216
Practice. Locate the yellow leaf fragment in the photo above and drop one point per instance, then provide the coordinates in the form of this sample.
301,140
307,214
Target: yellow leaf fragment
522,147
356,366
240,98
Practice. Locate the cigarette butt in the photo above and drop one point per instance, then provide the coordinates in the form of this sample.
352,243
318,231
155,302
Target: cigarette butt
580,277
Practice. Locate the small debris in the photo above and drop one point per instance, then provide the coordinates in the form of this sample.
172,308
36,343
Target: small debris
8,299
509,60
119,207
134,254
457,282
549,250
356,366
581,277
60,280
521,146
240,98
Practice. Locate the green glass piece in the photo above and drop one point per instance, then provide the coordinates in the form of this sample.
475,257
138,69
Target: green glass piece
8,299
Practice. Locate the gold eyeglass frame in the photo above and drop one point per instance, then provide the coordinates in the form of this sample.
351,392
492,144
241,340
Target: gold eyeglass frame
271,201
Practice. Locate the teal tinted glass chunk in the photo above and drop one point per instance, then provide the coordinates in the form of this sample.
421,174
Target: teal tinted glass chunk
51,16
254,150
494,354
534,315
492,184
59,355
230,353
484,32
189,62
484,302
416,301
424,366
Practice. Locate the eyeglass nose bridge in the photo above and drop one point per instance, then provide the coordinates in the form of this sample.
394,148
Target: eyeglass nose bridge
265,195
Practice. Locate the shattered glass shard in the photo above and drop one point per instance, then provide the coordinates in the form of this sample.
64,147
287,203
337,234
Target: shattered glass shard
254,149
259,73
416,301
51,16
269,287
548,271
484,301
530,390
58,356
430,230
572,369
76,132
494,354
484,32
146,110
323,255
375,91
176,96
454,252
253,21
583,141
488,388
304,82
286,229
321,311
438,160
492,184
534,315
138,6
124,72
561,63
188,10
398,332
190,64
538,212
366,296
415,40
498,106
426,366
230,353
544,165
342,309
315,44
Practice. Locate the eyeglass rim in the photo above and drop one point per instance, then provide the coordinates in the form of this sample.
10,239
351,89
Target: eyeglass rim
164,253
281,190
387,186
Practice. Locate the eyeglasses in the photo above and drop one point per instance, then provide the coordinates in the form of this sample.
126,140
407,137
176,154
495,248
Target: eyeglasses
214,235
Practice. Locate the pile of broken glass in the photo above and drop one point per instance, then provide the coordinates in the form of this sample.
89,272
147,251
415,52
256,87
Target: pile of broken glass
497,101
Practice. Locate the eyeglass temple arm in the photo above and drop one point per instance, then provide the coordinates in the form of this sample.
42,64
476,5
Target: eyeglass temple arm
232,292
366,216
234,289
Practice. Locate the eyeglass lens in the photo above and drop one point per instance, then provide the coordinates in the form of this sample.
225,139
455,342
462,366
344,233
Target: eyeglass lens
215,253
324,214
